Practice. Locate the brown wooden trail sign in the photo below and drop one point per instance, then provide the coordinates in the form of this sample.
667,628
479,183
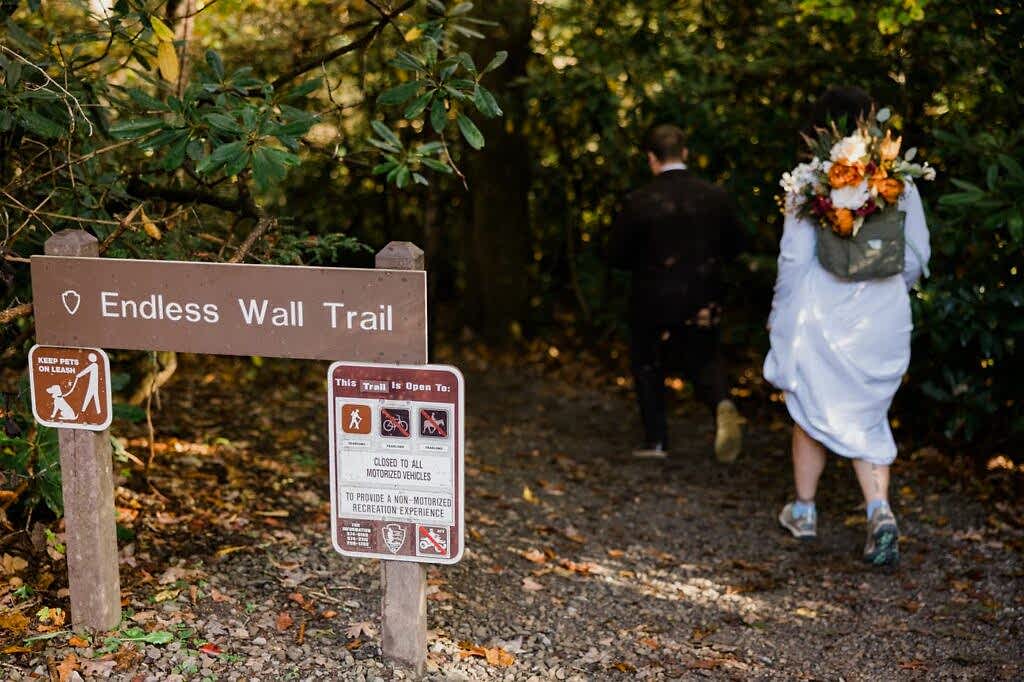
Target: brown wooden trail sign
279,311
231,309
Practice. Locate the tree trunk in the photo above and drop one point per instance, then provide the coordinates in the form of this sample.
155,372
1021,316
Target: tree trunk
498,245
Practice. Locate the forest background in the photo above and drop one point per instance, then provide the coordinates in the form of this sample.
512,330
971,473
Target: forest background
499,138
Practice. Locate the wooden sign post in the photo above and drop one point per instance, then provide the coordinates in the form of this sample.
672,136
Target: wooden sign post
404,604
80,300
87,480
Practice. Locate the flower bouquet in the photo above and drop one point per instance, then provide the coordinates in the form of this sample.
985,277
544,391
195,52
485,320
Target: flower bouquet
851,184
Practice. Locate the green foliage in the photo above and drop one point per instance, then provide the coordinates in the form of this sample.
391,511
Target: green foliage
29,456
970,325
439,87
172,149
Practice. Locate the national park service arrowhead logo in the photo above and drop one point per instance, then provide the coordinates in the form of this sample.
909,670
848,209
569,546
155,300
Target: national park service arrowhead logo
71,301
394,536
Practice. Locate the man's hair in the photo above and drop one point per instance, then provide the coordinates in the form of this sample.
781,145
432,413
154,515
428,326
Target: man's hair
842,106
665,141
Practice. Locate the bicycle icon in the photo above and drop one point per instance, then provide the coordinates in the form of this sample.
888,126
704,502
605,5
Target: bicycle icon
394,422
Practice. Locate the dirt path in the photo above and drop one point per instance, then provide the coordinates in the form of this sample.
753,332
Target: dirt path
583,563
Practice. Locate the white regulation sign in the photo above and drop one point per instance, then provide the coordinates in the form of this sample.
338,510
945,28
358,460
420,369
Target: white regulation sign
396,446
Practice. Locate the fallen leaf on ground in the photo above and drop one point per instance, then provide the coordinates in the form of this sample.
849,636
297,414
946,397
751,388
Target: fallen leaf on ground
622,666
55,617
535,555
495,656
67,666
650,642
283,621
176,573
224,551
616,553
583,568
329,614
79,642
913,665
98,669
16,649
210,648
499,657
531,585
219,596
297,598
806,613
440,595
363,627
14,621
166,595
12,564
529,496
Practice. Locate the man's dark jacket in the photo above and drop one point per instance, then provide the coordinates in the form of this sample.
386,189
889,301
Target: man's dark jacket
675,234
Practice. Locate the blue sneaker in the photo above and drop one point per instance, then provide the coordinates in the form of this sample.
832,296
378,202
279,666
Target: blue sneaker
803,527
883,544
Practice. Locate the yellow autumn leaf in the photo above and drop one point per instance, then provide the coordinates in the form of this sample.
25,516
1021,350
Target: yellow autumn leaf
413,33
529,496
167,59
150,227
163,33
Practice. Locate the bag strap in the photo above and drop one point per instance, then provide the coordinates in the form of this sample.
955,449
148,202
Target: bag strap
925,272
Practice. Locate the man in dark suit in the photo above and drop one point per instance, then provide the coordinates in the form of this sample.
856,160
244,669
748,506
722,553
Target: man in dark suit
675,234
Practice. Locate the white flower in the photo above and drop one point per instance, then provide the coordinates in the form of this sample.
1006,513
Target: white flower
796,182
927,172
850,149
851,196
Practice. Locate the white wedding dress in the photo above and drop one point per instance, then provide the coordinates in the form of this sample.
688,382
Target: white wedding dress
839,348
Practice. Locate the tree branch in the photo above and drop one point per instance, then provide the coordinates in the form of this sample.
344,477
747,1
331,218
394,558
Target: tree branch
356,44
190,196
124,225
14,312
263,225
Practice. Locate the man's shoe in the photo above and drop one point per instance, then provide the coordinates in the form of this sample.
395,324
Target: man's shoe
651,451
802,527
729,432
883,544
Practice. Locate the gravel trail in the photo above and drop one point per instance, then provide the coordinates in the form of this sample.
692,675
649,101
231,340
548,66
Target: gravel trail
582,563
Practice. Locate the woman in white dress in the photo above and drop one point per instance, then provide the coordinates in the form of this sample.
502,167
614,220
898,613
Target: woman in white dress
839,349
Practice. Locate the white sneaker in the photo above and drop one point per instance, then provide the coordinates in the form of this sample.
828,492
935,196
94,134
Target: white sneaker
651,451
728,432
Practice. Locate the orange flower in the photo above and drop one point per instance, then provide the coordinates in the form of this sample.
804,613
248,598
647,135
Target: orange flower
890,189
889,148
841,175
842,221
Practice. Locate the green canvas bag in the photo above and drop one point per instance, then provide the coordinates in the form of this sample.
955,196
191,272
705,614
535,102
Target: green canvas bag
876,252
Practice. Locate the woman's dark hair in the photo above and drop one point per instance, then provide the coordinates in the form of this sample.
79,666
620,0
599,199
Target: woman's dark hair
842,106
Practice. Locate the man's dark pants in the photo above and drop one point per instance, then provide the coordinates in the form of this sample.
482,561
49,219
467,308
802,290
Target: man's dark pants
691,349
